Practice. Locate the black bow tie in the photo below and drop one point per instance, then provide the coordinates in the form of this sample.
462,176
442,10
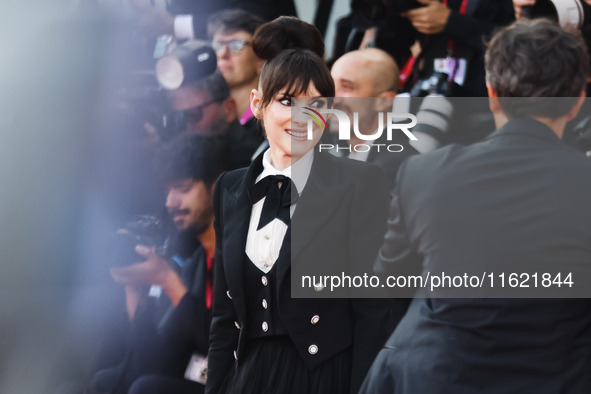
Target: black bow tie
278,199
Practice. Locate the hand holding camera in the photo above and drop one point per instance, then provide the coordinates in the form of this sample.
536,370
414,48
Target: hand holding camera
430,19
155,270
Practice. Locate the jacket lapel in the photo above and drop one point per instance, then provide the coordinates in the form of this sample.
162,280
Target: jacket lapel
315,206
373,152
237,210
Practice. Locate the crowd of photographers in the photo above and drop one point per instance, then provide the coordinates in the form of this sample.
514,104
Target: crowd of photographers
193,121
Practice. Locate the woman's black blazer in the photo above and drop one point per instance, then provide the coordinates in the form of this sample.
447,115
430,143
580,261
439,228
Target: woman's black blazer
340,219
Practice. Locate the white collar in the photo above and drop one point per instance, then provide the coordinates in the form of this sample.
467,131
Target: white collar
299,175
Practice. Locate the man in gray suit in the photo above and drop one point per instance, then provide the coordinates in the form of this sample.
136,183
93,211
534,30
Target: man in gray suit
515,203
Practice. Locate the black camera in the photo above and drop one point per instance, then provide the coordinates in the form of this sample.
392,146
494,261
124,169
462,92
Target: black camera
192,61
141,99
404,5
140,230
436,84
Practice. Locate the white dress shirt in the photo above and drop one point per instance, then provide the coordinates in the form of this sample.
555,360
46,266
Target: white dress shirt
263,246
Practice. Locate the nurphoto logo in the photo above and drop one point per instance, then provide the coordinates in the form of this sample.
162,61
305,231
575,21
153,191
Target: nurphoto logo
394,122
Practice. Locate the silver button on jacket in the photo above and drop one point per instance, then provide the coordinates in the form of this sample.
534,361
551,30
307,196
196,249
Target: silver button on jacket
313,349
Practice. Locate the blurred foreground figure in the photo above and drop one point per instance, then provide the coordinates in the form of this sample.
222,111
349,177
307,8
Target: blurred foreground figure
169,295
205,107
517,202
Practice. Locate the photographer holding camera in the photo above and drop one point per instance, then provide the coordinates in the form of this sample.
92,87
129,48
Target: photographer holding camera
447,56
451,34
168,337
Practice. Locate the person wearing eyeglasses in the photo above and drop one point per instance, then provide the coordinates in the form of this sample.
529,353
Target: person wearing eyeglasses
231,32
206,107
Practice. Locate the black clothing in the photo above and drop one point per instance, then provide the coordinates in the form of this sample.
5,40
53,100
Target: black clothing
471,120
278,199
333,202
515,202
154,384
468,33
260,306
241,142
273,365
387,154
203,9
391,161
162,344
394,35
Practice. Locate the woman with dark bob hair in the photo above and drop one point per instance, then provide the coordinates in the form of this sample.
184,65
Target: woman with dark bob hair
293,207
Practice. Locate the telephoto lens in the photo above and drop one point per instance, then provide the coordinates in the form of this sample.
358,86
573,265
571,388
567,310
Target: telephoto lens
186,63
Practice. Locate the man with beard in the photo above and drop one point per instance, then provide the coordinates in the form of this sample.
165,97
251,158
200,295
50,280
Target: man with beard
168,338
366,82
205,107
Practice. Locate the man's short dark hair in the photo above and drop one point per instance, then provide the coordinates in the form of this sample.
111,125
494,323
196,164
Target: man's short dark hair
537,59
231,21
191,156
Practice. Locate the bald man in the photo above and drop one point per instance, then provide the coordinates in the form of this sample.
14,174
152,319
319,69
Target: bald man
358,75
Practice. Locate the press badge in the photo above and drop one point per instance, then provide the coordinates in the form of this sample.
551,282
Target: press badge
162,43
452,66
155,291
197,369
